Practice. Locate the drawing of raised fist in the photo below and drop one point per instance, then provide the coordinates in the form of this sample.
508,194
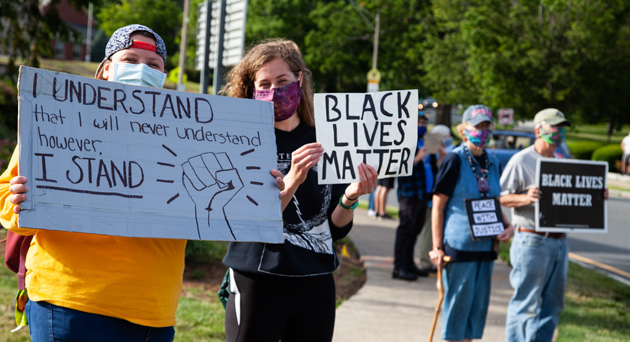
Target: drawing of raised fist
211,182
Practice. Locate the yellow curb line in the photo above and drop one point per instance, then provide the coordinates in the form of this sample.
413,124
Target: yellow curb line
599,264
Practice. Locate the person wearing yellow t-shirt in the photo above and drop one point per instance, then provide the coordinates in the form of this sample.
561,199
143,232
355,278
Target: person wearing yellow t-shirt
89,287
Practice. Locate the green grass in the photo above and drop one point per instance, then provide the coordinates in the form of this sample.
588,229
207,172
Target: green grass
8,288
390,210
597,308
200,320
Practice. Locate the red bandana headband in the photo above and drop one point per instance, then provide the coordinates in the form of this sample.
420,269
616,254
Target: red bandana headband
142,45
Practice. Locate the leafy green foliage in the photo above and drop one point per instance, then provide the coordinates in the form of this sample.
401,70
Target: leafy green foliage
204,251
26,34
28,29
336,39
164,17
583,149
609,153
529,55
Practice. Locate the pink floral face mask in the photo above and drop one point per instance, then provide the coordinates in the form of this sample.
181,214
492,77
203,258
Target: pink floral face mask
285,99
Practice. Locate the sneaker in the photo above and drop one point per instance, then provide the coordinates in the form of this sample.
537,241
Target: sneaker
419,272
371,213
404,275
385,217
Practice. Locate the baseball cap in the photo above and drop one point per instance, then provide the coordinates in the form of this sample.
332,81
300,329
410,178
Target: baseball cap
120,40
477,114
551,116
442,130
421,115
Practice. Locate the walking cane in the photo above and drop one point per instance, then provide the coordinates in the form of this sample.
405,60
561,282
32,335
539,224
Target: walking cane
446,259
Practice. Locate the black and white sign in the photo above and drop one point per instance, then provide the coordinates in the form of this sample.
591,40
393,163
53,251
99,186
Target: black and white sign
378,129
572,196
485,218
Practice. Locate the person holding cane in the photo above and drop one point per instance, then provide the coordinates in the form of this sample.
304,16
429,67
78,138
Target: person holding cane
468,172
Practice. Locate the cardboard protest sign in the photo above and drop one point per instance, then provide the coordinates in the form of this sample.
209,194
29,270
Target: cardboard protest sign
379,129
108,158
572,196
432,142
485,217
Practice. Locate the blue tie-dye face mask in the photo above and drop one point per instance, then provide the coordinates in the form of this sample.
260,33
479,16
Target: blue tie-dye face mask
478,137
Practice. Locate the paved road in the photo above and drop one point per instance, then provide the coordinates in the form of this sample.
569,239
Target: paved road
609,253
611,249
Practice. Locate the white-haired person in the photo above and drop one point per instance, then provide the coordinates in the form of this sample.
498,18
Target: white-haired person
468,172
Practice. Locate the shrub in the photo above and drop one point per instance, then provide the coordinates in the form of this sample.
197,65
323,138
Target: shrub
205,251
584,149
609,153
6,151
173,75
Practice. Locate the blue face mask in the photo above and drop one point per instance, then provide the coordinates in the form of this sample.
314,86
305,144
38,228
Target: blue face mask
137,74
422,130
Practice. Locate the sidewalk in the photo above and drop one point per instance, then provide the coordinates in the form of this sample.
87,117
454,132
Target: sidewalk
619,181
387,310
391,310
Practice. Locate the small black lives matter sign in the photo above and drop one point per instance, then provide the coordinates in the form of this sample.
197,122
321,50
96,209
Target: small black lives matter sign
485,218
572,196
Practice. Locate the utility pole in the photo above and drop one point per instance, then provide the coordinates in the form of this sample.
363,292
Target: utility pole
374,76
377,24
182,48
88,39
205,67
218,69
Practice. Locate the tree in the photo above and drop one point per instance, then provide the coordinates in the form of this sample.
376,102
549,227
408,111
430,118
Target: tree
164,17
529,55
337,43
25,35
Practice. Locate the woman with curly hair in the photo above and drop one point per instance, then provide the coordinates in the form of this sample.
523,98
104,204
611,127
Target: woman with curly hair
286,291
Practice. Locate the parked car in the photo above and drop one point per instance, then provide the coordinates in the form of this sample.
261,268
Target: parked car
505,144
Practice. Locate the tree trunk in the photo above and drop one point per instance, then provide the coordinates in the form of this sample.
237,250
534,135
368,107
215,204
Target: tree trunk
611,126
443,115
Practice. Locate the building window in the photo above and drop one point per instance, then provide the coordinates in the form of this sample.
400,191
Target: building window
60,50
76,51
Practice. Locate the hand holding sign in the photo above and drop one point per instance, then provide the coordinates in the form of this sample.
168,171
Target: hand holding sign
211,182
367,181
302,160
533,194
18,190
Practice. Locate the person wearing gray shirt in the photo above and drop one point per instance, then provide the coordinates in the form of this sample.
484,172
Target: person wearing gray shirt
540,260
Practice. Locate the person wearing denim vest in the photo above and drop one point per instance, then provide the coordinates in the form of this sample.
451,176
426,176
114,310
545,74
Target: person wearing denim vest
467,278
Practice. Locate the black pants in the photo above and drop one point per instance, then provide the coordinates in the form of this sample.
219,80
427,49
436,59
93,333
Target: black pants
411,213
274,308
